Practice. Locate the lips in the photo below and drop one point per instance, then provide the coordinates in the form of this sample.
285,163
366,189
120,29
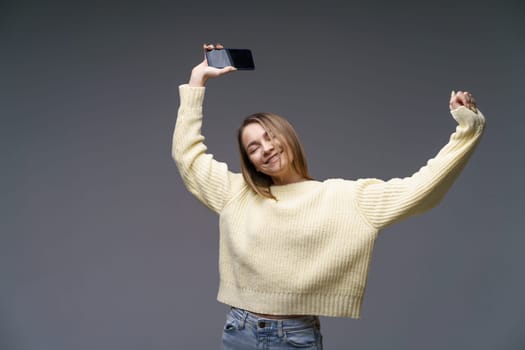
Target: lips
272,158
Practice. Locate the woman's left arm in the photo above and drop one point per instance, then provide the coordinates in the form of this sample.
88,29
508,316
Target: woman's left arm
386,202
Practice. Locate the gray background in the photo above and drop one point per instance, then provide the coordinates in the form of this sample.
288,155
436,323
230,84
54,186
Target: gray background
101,247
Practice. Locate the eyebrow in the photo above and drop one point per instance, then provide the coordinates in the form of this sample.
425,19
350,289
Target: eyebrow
252,144
255,142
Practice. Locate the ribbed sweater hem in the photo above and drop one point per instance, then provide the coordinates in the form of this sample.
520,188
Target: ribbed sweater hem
290,303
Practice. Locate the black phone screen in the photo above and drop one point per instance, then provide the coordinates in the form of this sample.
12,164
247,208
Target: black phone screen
238,58
241,58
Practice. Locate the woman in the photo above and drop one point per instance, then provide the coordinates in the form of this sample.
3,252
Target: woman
292,248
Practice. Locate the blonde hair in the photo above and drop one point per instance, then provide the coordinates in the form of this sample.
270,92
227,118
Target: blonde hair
278,128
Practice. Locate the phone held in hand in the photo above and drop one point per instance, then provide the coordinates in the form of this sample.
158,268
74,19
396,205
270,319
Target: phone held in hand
241,59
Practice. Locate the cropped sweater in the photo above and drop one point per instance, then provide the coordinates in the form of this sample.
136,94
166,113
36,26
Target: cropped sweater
308,252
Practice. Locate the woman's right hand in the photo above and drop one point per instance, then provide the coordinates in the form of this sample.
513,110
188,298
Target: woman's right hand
202,72
462,98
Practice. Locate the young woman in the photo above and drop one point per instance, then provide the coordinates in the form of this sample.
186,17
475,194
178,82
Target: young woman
292,248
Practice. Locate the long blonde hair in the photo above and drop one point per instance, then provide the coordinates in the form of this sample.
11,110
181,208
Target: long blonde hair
279,128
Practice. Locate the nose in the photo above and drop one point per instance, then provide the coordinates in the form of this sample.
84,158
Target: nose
267,146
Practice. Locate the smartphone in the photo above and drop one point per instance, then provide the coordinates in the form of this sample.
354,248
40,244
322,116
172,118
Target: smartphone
239,58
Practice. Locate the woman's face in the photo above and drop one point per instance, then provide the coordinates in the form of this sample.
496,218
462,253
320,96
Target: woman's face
267,154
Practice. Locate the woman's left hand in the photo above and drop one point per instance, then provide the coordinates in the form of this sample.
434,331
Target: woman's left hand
462,98
202,72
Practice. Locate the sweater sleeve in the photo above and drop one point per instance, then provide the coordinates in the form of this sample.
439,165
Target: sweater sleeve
386,202
209,180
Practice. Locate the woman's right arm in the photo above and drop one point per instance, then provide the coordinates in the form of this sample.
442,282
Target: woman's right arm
209,180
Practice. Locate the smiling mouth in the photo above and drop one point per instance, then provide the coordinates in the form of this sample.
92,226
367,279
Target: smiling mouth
272,158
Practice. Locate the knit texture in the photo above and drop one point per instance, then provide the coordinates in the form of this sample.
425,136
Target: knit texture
308,252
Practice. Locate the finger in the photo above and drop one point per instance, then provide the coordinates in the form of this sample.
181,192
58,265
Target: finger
452,100
472,104
227,69
455,99
208,47
470,97
461,98
452,97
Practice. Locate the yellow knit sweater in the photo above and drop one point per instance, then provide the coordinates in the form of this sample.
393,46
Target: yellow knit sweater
309,251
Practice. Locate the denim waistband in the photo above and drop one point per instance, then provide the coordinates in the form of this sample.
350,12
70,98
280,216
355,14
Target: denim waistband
254,321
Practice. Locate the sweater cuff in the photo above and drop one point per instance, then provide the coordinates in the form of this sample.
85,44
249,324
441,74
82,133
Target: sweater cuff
467,118
191,97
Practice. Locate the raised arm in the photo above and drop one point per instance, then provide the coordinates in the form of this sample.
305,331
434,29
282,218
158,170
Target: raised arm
209,180
385,202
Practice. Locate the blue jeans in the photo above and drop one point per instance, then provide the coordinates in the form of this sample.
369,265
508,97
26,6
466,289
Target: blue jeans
245,331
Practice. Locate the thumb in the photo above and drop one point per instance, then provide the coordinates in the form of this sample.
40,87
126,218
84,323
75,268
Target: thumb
226,70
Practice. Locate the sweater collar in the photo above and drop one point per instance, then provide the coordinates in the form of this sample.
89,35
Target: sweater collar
294,188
